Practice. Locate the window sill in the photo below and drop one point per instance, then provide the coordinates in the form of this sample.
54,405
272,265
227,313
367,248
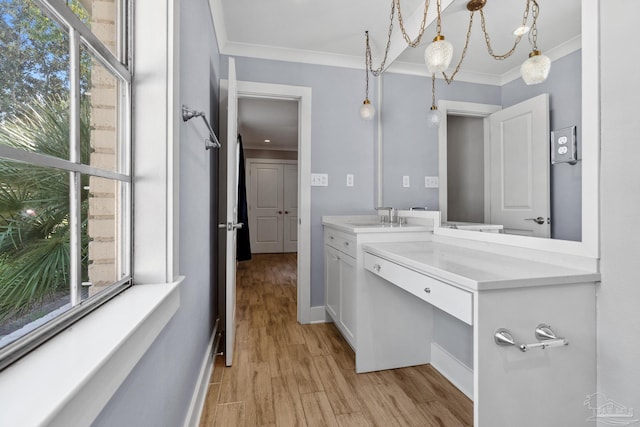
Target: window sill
69,379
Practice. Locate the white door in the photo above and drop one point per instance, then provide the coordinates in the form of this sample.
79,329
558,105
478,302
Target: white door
232,212
520,168
266,207
290,203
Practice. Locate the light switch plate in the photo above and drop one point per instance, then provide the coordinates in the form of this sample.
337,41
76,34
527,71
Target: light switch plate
564,146
431,182
405,181
349,180
319,180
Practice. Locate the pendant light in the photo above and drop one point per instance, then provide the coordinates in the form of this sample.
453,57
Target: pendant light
536,68
367,110
439,53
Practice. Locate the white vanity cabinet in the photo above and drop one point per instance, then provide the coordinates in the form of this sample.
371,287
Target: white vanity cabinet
340,281
492,294
348,299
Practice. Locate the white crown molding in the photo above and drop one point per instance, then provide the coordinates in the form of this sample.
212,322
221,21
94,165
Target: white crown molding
554,54
291,55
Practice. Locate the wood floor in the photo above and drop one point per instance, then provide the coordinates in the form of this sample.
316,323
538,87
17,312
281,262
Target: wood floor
287,374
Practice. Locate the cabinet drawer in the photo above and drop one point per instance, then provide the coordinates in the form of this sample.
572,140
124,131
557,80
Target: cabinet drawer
342,242
448,298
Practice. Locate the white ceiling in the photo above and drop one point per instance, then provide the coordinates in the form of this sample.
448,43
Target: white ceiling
331,32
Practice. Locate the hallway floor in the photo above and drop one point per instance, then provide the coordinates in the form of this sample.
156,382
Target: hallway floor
287,374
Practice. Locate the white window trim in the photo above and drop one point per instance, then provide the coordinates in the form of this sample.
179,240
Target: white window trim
68,380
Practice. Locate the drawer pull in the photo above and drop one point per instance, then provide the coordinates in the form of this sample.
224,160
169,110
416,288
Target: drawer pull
331,237
427,290
376,267
346,243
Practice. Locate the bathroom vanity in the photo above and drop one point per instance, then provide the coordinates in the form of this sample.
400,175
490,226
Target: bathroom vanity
502,324
344,273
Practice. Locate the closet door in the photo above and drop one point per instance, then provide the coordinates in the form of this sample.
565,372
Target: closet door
266,207
290,187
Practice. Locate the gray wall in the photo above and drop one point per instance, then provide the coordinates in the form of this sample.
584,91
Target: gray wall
619,293
341,142
564,87
465,169
410,147
159,389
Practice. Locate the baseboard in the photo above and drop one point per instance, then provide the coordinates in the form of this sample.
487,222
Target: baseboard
202,386
318,314
452,369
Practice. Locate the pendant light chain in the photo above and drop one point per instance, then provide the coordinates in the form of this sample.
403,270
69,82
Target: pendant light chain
525,18
416,42
438,18
533,34
433,91
464,51
369,59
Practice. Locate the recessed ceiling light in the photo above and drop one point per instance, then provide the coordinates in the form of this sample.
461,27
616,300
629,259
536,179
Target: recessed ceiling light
521,30
267,141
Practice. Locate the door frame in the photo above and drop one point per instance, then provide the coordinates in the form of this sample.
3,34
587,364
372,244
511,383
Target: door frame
301,94
249,164
464,109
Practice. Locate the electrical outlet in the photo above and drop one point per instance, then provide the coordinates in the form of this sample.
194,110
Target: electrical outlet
349,180
319,180
405,181
431,182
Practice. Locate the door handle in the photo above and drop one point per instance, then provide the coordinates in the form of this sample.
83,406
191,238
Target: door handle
230,225
286,212
279,212
538,220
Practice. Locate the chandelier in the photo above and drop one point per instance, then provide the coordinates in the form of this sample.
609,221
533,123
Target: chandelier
439,54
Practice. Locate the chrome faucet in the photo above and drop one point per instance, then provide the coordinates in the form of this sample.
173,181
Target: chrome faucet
392,213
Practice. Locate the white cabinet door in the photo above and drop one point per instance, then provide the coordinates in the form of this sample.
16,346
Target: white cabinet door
332,281
348,297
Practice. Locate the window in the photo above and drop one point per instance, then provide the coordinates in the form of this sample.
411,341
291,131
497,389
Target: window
65,181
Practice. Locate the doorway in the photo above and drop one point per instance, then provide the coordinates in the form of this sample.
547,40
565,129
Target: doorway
302,97
505,149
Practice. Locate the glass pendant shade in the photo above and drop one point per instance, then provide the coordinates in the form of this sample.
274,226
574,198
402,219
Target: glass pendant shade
536,68
438,55
367,111
433,117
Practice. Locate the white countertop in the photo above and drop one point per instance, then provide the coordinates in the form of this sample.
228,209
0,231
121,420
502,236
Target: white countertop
477,270
371,224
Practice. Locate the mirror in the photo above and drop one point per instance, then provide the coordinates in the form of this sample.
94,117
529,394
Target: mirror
407,147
